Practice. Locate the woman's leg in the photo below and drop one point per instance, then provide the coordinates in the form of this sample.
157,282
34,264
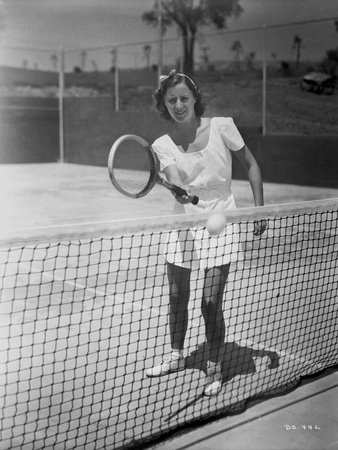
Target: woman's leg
214,284
212,310
179,294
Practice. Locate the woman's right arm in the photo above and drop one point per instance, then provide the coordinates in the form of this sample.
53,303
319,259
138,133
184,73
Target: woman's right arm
173,176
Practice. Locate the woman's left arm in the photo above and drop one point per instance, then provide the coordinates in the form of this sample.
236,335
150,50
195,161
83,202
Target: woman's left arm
254,174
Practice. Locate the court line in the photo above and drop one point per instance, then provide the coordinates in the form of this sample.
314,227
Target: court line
257,417
104,294
234,337
95,291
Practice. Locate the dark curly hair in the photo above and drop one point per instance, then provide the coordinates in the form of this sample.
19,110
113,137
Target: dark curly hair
173,79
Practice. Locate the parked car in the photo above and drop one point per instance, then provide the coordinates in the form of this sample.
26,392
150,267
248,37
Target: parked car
318,82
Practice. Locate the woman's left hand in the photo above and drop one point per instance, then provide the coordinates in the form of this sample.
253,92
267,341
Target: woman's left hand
259,227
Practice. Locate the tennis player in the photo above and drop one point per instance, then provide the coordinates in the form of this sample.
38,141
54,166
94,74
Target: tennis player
196,155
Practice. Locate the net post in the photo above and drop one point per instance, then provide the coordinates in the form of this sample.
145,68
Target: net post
61,104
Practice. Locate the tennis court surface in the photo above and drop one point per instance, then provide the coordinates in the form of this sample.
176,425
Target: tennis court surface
84,314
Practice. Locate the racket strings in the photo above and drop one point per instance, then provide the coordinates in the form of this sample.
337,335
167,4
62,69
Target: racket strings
133,167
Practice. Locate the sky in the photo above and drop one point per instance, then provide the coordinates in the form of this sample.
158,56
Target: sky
47,25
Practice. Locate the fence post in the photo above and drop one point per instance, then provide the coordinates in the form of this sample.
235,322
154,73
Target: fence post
264,81
160,39
61,105
117,87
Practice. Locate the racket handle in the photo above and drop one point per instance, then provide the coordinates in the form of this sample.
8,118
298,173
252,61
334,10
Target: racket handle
180,192
195,200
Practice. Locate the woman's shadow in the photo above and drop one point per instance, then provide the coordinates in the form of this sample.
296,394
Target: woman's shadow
236,360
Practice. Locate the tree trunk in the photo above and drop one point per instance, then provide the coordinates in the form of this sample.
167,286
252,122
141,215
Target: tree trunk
188,52
298,56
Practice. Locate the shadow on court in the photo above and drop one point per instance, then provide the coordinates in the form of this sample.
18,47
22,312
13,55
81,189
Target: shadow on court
237,361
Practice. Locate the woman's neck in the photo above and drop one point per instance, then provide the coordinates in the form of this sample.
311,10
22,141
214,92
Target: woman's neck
186,129
185,133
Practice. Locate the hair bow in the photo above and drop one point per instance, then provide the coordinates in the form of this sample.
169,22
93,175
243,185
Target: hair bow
162,78
171,73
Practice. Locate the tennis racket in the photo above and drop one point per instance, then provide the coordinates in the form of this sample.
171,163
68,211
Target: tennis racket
134,168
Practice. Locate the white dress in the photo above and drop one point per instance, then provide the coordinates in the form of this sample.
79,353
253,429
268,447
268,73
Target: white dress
208,174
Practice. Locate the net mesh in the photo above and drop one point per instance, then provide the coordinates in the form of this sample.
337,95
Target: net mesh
82,319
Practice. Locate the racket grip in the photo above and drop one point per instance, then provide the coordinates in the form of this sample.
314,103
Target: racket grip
195,200
179,191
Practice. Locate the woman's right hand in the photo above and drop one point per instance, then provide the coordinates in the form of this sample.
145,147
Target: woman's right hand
184,199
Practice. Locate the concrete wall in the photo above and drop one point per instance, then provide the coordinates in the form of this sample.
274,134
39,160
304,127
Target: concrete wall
29,130
302,160
92,127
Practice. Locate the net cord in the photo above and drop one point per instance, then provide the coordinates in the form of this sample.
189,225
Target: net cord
92,230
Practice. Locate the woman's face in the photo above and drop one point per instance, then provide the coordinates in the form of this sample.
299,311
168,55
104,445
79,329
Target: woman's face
180,103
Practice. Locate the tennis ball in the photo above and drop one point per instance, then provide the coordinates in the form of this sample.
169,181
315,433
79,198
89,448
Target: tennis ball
216,223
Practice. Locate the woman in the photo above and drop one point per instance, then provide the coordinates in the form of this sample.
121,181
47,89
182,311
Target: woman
196,155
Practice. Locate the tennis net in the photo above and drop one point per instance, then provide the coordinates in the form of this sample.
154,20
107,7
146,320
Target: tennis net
84,314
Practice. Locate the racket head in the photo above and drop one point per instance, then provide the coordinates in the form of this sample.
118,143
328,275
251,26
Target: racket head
132,166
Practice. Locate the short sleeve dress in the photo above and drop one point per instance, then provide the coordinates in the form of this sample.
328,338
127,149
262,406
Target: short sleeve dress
208,174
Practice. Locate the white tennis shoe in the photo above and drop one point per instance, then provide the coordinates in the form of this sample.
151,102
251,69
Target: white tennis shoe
168,365
213,385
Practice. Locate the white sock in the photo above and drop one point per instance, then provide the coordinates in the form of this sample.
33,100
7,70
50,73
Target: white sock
176,354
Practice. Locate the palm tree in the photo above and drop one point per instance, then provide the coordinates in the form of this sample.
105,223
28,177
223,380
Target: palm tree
298,45
250,60
189,16
147,52
205,56
237,48
83,59
54,60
